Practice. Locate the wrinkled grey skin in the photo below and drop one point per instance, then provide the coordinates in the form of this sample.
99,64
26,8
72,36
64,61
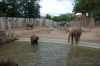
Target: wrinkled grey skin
34,39
7,62
75,34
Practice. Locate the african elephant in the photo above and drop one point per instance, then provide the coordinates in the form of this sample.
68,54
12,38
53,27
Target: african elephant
34,39
7,62
75,33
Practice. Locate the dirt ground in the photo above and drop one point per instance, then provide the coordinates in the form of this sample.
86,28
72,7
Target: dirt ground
89,34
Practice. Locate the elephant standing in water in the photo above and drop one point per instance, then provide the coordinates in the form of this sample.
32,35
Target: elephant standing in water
7,62
34,39
75,33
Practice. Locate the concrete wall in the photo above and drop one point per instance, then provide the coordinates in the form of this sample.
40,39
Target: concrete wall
20,22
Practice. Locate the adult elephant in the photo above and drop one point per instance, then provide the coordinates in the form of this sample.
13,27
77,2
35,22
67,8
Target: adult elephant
34,39
29,26
7,62
75,33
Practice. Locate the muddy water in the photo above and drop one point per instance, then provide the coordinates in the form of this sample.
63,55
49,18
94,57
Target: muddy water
50,54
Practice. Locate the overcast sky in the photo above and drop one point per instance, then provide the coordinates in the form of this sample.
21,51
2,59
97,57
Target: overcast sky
56,7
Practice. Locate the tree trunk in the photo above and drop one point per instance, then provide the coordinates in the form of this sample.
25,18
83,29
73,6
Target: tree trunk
2,24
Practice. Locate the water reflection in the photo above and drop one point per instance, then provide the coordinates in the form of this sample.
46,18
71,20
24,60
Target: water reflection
50,54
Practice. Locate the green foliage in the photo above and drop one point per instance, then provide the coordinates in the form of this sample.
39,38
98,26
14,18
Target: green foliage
48,16
64,17
20,8
96,15
92,7
3,7
84,6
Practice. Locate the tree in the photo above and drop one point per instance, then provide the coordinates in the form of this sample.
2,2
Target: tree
63,17
87,6
3,7
20,8
96,15
30,8
48,16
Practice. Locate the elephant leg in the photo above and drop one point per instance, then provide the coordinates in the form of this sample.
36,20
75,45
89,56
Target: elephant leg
31,28
79,37
32,42
68,38
76,39
72,39
37,42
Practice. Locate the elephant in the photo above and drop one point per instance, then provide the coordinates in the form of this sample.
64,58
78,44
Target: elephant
7,62
75,33
29,26
62,24
34,39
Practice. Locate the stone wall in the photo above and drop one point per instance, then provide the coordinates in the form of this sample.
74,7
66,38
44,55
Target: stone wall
20,22
92,23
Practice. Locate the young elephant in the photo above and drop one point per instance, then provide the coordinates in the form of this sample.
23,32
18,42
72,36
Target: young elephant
7,62
34,39
75,33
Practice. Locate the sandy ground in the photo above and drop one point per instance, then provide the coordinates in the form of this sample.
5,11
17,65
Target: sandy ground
92,35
